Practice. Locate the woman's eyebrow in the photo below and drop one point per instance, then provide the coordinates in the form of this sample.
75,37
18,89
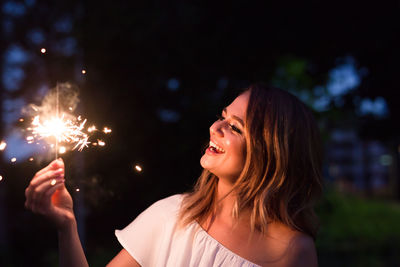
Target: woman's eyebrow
235,117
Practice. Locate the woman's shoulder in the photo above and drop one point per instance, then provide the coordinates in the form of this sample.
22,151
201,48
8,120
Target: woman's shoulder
291,247
301,251
171,201
166,205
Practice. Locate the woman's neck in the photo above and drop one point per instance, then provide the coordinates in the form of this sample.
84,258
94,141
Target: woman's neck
225,198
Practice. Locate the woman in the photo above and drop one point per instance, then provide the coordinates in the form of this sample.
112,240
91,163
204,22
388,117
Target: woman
252,205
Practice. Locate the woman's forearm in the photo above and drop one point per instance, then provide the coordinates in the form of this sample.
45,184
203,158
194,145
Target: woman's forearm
70,247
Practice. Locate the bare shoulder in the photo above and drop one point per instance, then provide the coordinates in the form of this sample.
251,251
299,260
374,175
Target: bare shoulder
301,251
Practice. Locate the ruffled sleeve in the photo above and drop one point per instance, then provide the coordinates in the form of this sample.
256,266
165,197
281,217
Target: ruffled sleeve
144,236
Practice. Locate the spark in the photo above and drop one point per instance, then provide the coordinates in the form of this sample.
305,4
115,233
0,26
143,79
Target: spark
83,71
53,182
138,168
3,145
43,50
77,190
21,119
62,150
62,129
1,178
101,143
106,130
92,129
30,159
70,108
13,159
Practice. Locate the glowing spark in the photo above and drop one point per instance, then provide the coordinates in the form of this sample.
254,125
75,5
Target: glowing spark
101,143
62,150
83,71
1,178
13,159
30,159
21,119
63,130
43,50
77,190
53,182
70,108
92,129
138,168
106,130
3,145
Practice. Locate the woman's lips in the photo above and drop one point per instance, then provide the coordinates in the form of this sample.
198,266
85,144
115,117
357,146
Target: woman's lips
214,149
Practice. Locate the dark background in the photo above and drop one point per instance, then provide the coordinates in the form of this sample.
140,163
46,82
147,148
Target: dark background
157,74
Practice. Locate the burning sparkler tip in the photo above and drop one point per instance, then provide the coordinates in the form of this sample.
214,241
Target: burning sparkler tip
3,145
138,168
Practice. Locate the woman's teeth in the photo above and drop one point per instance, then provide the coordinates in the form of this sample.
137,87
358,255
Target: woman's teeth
216,148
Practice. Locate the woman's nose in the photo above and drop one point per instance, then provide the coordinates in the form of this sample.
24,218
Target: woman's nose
217,128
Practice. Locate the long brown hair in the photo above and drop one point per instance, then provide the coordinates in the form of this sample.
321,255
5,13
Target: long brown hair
281,177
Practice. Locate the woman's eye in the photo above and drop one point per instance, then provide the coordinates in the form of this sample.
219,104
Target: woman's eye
234,128
220,117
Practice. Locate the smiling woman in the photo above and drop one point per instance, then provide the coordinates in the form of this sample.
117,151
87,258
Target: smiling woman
251,206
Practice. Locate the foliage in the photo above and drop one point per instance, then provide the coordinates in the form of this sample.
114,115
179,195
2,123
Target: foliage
357,231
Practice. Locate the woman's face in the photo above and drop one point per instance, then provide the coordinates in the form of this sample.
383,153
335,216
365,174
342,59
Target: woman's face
226,153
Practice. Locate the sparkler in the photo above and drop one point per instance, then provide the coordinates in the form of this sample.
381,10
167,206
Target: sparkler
61,129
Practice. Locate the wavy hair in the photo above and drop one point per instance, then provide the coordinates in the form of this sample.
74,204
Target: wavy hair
281,178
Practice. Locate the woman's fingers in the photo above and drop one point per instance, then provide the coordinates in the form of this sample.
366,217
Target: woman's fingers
39,199
54,165
42,178
41,184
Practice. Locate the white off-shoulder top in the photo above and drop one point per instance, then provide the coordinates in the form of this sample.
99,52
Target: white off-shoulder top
153,239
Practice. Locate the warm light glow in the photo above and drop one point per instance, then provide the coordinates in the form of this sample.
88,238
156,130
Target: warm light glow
106,130
53,182
13,159
21,119
83,71
92,129
1,178
62,150
101,143
138,168
63,130
77,190
43,50
30,159
3,145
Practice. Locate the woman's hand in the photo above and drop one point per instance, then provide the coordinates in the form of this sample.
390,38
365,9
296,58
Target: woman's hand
47,195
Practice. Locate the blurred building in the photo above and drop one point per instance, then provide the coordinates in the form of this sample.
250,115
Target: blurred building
358,166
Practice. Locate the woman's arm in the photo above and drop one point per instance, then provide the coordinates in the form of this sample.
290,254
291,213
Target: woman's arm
47,195
123,259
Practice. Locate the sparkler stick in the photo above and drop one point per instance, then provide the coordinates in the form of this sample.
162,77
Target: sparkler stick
57,106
